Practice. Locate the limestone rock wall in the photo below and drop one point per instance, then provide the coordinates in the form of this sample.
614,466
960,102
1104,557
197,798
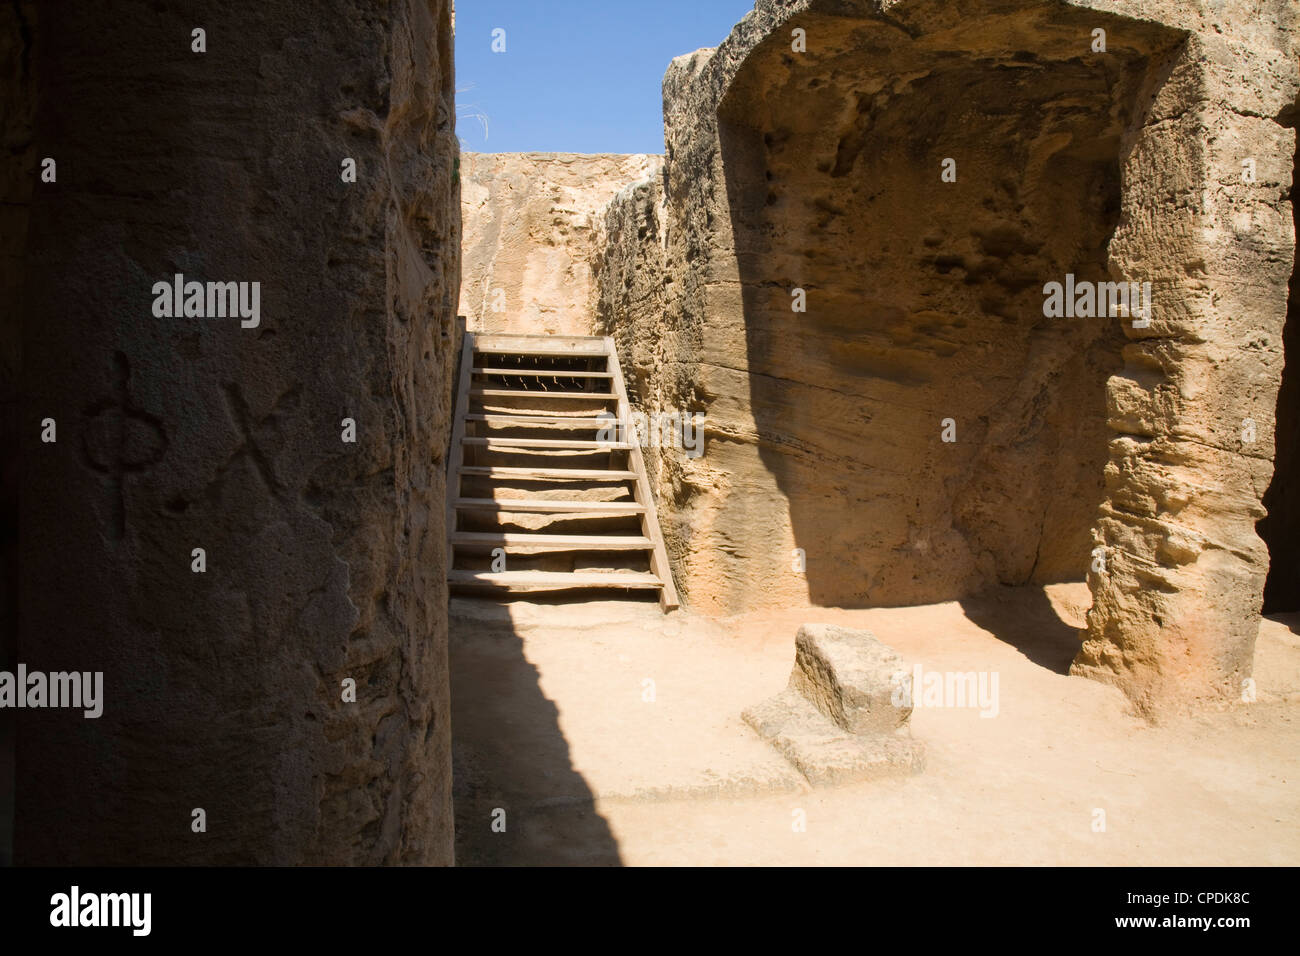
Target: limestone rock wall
324,560
820,170
530,246
1177,610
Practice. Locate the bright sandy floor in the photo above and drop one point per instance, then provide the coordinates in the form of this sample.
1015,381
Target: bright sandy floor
551,724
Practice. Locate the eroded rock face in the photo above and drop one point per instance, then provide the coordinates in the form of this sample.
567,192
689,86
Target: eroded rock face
324,560
826,479
530,226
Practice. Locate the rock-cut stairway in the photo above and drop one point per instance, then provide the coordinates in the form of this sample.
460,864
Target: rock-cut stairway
543,492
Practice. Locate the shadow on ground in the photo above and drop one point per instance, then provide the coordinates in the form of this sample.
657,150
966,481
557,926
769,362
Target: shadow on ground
1025,618
509,754
1290,621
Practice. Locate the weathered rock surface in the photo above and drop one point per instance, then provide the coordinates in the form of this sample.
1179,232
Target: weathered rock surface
825,479
324,560
530,249
844,715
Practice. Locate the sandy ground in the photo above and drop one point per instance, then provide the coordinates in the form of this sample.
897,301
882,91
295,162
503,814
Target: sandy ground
610,733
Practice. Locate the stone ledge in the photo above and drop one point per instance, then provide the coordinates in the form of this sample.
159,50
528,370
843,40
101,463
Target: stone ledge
825,754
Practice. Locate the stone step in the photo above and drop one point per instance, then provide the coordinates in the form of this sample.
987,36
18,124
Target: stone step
546,474
538,372
534,393
524,543
548,443
558,422
550,506
552,580
551,345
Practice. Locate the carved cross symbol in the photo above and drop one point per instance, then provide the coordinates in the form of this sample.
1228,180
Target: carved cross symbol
249,426
120,439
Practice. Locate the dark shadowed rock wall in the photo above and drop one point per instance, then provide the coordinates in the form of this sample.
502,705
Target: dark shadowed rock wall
17,98
223,690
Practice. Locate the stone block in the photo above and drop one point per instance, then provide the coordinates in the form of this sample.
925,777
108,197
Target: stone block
850,677
837,721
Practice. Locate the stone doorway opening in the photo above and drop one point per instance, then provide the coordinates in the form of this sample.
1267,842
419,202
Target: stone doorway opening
924,296
1281,529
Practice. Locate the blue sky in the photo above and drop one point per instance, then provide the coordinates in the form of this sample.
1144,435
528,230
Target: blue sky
580,76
